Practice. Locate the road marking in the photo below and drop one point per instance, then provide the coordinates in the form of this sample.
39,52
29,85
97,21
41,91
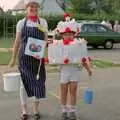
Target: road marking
54,95
80,103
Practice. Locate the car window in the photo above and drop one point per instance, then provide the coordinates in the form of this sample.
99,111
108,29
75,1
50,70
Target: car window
101,28
88,28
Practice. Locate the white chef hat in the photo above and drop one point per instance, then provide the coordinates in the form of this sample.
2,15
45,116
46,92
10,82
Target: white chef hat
26,2
70,26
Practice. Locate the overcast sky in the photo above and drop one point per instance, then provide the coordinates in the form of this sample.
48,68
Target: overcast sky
8,4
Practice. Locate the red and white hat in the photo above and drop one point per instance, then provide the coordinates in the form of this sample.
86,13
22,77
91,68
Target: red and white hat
66,15
64,27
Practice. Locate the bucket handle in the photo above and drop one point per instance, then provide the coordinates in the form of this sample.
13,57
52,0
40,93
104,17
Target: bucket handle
89,85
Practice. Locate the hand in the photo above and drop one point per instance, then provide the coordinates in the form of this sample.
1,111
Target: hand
12,63
90,72
50,41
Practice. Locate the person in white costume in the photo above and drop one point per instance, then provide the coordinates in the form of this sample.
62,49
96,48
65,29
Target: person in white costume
69,73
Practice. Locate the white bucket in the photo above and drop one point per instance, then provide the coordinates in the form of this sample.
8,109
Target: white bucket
11,82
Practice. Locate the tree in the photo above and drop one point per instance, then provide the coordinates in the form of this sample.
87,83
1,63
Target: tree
81,6
91,6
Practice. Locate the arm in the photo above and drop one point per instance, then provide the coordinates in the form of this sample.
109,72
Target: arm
46,30
16,47
46,39
46,36
87,66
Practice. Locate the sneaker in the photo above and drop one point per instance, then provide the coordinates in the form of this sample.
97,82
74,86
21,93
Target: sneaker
64,116
72,116
37,116
24,117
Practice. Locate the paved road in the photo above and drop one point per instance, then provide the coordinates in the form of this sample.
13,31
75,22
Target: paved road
106,105
110,55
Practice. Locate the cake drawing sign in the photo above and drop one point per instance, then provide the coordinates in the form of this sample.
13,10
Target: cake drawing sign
35,47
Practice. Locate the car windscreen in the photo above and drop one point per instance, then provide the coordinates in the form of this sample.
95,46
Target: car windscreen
101,29
90,28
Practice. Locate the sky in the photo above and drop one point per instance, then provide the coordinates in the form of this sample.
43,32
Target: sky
8,4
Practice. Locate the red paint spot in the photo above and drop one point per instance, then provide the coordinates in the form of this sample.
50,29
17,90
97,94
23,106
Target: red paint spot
84,60
46,60
66,61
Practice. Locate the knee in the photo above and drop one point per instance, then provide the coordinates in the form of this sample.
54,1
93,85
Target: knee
21,85
35,99
22,90
73,89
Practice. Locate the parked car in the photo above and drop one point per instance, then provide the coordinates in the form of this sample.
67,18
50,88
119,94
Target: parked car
98,35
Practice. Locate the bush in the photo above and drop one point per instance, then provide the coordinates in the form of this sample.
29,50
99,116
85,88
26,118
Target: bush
7,21
52,19
97,16
1,25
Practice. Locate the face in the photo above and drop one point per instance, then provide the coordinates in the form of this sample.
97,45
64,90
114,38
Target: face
67,18
69,36
33,9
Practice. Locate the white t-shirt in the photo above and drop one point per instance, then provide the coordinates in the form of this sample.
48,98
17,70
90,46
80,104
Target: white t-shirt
29,23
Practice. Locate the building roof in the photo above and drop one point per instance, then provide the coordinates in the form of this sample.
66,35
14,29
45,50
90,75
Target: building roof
47,7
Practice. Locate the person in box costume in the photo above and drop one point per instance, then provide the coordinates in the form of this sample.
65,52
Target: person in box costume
70,73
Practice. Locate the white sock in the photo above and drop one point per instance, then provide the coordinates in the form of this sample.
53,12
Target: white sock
23,95
72,108
64,108
23,99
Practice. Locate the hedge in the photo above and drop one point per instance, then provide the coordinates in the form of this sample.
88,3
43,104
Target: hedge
7,21
1,25
10,20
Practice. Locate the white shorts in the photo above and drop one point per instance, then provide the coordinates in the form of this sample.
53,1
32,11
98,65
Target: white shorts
69,73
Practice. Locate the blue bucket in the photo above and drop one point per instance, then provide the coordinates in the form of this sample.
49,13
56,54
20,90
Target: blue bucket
88,96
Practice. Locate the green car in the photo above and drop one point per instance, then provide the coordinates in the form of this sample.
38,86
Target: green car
98,34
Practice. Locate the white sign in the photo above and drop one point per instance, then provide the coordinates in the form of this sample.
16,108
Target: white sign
74,52
35,47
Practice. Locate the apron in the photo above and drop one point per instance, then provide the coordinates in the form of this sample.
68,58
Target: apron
28,65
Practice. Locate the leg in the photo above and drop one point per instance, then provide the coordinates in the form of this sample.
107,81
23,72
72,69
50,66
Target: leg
36,105
73,93
73,97
64,91
36,108
23,99
64,83
68,97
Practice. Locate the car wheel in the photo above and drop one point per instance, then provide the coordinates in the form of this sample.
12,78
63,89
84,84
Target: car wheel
95,46
108,44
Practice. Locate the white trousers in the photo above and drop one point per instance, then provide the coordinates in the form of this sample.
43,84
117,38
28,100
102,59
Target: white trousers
69,73
23,95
